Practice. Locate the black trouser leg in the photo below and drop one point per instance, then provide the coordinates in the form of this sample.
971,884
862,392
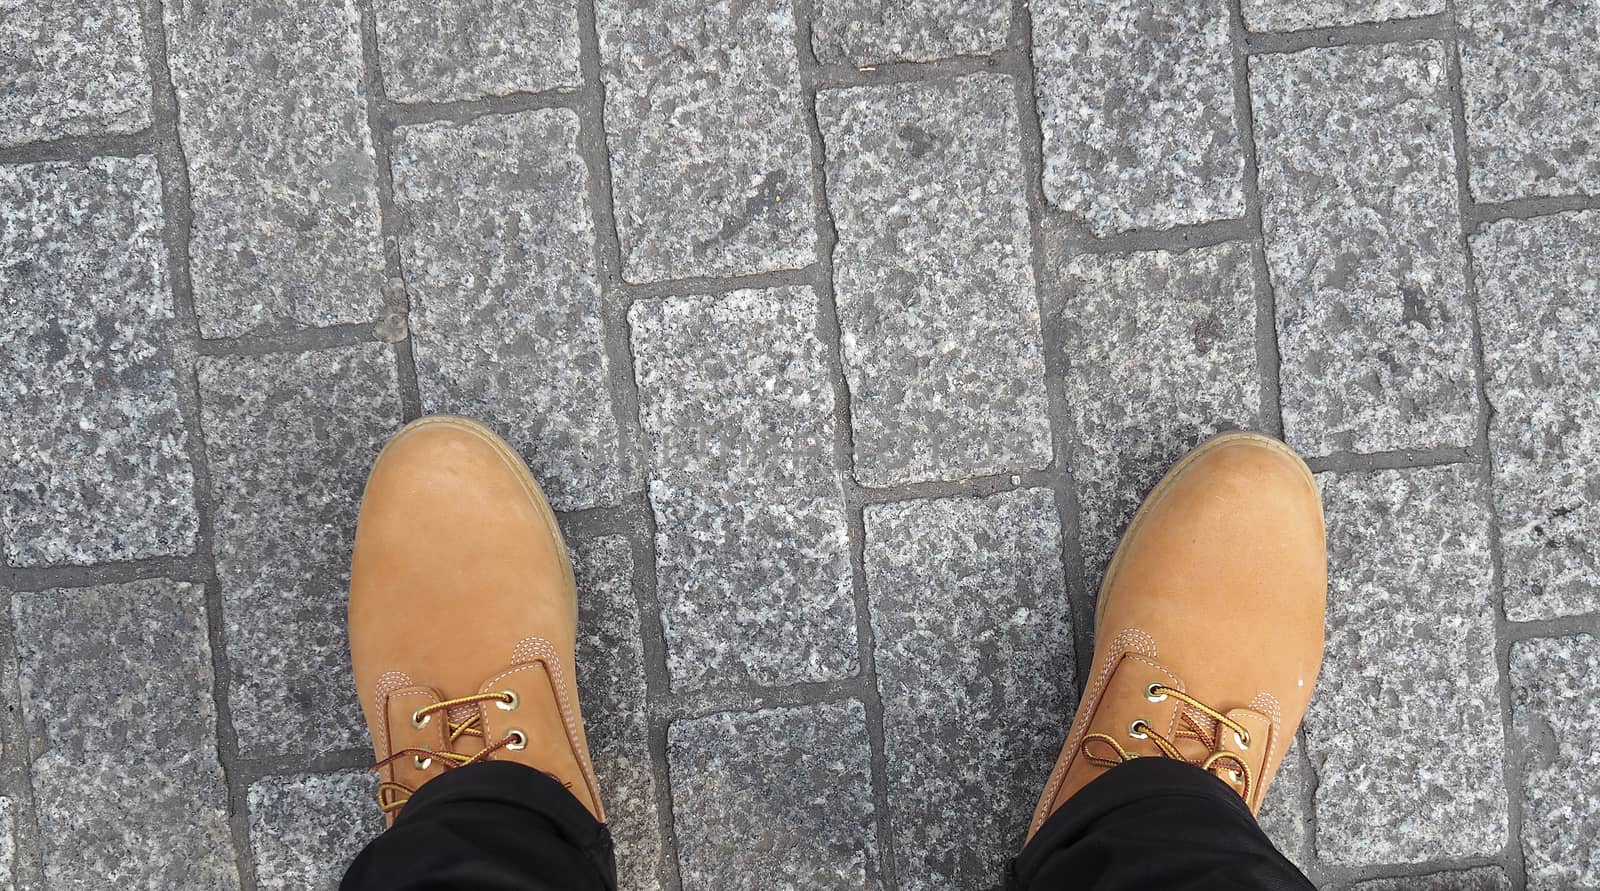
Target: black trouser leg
1153,823
494,826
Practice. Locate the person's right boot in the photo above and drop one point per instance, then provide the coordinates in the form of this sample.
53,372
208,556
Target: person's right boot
1209,626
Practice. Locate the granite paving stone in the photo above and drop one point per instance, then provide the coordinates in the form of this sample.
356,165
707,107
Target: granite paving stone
468,50
93,452
974,652
306,828
1410,646
8,843
71,69
1483,878
1555,725
750,530
779,798
1362,228
1528,79
1283,816
933,278
289,442
116,693
1159,349
612,689
1136,105
1275,15
498,252
272,115
862,32
1539,307
710,160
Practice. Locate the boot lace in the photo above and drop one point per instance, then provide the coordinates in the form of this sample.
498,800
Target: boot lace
1193,728
392,796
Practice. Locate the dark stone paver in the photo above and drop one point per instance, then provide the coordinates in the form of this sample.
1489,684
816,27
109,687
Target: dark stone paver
780,798
710,161
467,50
1555,718
1359,208
306,828
93,452
975,666
1411,659
289,441
499,260
1283,818
939,319
1483,878
282,174
71,69
750,527
1539,307
862,32
1136,103
116,693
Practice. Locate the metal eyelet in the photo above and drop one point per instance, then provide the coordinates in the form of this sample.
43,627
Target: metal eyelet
1135,732
507,704
1244,743
1151,694
419,720
521,740
421,763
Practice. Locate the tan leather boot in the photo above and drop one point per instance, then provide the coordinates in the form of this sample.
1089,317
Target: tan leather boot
463,615
1208,632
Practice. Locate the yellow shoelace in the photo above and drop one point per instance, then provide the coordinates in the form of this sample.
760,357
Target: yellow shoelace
1193,729
392,796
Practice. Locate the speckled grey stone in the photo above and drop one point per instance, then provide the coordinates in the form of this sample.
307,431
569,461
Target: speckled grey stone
283,181
8,843
71,69
710,161
612,688
750,530
93,453
1483,878
1283,817
1275,15
1160,352
1410,646
433,52
1359,205
1529,75
306,829
116,694
499,258
861,32
1539,308
289,442
974,654
1137,108
1556,729
934,280
780,798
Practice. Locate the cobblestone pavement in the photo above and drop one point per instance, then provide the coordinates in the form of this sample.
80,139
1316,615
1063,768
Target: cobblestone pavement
845,335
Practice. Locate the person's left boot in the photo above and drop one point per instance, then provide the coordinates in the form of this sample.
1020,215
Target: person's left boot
463,615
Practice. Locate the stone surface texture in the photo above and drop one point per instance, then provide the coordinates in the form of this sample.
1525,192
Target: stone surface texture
1160,352
710,159
1136,104
845,336
939,319
780,798
1362,229
1555,718
862,32
975,668
272,115
1533,126
71,69
499,259
437,52
750,526
289,441
116,695
1539,308
93,452
1410,644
